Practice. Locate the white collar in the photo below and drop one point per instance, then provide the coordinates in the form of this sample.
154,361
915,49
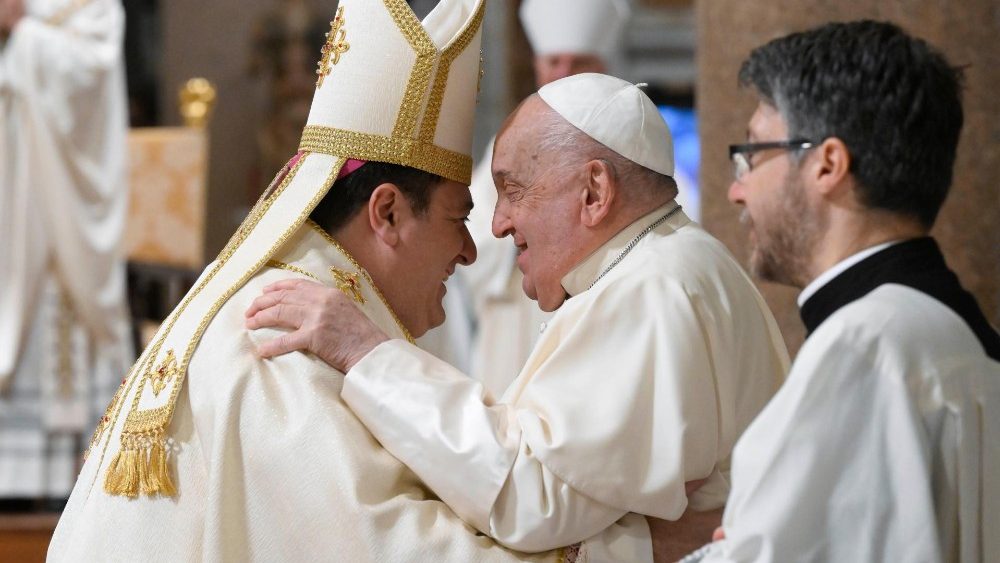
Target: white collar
839,268
583,274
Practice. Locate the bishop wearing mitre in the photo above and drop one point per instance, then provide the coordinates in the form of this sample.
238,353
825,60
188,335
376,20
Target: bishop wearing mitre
209,452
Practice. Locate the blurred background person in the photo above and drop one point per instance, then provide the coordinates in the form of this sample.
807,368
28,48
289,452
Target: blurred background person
64,332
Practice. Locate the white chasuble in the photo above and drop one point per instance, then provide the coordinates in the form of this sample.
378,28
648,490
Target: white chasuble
64,333
883,445
637,385
271,465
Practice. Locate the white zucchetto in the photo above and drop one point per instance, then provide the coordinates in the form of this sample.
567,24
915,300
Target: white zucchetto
574,26
615,113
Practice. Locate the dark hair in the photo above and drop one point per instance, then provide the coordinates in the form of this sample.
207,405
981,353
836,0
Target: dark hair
351,193
892,99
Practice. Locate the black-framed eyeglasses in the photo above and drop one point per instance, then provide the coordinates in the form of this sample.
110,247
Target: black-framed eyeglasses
740,154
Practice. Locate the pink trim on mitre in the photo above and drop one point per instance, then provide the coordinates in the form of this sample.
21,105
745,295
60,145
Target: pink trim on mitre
350,166
292,161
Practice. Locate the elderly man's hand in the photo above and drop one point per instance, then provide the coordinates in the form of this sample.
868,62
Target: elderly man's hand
322,320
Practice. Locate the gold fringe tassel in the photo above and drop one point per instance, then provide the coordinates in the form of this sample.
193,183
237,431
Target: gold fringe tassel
112,479
140,467
159,471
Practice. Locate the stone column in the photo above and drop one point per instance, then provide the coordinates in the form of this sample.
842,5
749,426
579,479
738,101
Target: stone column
965,30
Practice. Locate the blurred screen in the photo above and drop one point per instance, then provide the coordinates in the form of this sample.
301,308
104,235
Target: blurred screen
683,123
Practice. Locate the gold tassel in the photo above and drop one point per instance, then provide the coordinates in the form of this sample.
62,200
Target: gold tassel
129,485
113,477
139,468
158,470
142,468
122,478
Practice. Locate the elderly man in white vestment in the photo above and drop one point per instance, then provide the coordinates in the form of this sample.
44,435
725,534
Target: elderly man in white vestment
491,325
209,452
64,332
884,443
659,354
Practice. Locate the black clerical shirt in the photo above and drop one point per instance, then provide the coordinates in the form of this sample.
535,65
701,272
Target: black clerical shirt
917,264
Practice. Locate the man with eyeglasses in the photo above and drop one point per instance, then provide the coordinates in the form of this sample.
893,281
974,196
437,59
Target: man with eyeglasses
884,442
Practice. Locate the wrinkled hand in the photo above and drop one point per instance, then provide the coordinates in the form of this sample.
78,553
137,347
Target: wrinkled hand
322,320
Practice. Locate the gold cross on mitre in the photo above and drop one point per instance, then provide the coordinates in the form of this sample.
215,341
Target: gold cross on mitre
335,46
349,284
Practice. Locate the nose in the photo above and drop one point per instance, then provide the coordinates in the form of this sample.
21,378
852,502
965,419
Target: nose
501,221
468,253
737,192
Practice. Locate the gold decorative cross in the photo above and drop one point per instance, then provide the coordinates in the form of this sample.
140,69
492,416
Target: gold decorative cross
349,284
335,46
167,370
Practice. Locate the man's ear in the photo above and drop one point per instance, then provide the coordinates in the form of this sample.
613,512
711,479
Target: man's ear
830,167
600,189
385,209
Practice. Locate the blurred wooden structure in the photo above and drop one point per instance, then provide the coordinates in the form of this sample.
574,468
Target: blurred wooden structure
168,173
167,220
25,538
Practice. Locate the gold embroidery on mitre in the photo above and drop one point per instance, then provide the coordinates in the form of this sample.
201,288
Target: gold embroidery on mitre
349,283
163,373
336,45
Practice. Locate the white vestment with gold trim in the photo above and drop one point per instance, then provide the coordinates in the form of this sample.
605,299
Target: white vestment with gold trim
64,332
638,385
271,465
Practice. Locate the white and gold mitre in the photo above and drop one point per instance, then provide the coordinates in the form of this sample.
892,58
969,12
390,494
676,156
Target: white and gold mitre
574,26
389,88
393,90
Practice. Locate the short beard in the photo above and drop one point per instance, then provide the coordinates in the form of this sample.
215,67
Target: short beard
787,241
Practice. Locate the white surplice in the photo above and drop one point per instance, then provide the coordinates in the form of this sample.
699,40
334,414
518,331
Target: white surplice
271,465
64,337
883,445
637,385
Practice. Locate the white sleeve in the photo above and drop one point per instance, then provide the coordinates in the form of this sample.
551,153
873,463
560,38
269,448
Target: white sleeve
471,454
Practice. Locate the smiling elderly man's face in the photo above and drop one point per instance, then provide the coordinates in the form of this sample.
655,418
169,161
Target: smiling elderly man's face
536,203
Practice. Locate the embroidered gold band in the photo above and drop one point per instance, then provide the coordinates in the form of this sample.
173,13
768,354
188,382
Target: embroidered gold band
141,465
290,268
406,152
